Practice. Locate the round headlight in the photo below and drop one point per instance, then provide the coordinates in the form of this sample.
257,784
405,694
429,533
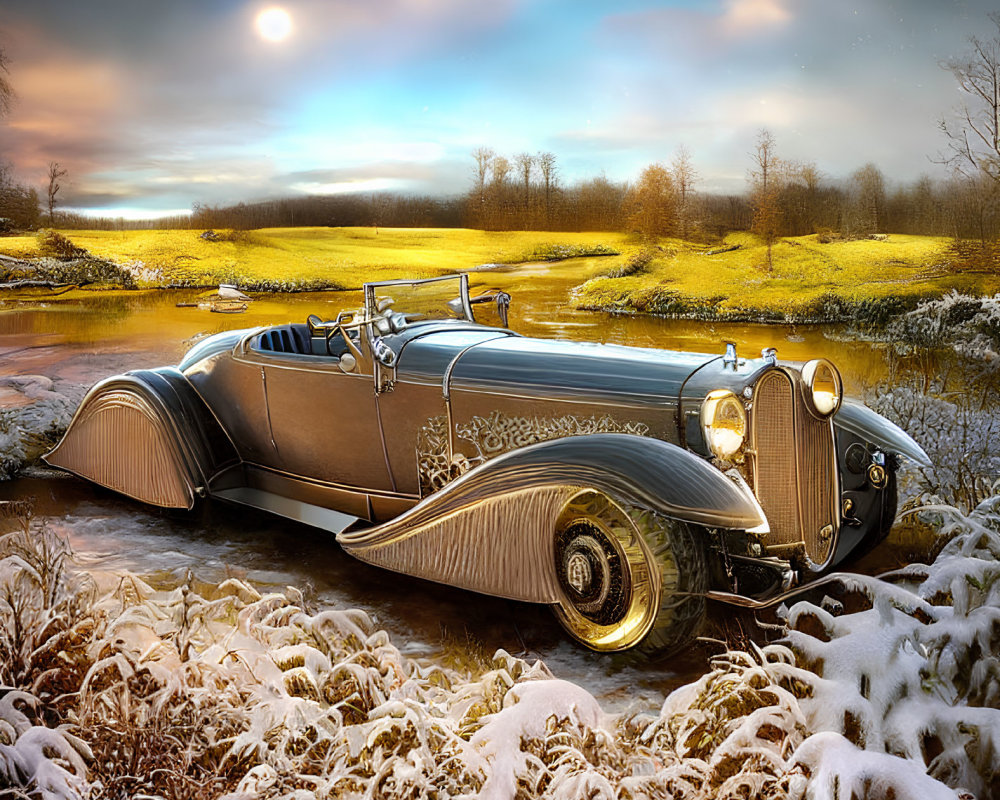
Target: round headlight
822,387
724,423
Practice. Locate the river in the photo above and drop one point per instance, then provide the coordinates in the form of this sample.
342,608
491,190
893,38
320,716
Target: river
80,337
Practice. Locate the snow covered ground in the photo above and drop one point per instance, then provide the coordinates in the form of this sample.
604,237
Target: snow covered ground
115,689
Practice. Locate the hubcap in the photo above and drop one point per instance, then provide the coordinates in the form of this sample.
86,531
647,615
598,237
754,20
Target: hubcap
579,575
590,571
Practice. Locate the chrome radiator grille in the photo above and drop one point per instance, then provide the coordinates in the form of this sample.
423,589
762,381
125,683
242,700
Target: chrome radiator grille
794,475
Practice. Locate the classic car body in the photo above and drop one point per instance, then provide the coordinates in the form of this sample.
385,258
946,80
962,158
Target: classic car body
622,486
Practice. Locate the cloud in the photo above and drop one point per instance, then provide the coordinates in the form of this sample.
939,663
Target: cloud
122,90
118,211
443,174
228,182
385,170
67,110
706,33
744,17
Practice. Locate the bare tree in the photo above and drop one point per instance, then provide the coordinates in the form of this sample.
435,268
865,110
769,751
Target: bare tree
974,131
19,208
684,176
974,207
6,88
765,190
547,167
867,209
525,164
483,156
498,195
811,178
501,169
801,199
765,158
55,173
811,175
924,207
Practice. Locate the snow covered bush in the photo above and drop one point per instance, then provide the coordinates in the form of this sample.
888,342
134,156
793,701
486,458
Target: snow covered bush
40,619
917,675
944,392
203,691
959,436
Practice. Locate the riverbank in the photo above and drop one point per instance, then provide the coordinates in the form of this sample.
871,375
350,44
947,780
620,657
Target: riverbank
864,282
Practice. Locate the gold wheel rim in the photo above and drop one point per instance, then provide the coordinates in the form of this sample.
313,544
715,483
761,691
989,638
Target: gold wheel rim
640,600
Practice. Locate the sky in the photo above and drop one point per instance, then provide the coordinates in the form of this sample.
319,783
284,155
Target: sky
154,105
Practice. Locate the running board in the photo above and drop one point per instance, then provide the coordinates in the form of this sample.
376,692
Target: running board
325,518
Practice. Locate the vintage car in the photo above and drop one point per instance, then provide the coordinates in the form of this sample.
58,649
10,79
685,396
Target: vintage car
623,486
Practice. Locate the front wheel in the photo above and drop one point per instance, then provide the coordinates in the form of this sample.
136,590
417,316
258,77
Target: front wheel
631,579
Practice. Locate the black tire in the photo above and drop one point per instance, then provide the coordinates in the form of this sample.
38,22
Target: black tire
631,579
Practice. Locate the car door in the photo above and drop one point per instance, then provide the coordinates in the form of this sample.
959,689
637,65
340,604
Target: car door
320,421
324,422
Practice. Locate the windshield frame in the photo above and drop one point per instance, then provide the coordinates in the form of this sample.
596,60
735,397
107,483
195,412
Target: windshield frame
371,291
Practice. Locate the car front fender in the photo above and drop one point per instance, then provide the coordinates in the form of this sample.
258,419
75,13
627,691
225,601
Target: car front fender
871,426
491,530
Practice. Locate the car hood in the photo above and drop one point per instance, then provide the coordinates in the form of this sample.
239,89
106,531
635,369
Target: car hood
495,361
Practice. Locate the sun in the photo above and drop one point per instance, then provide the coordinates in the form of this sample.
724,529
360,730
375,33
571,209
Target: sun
274,24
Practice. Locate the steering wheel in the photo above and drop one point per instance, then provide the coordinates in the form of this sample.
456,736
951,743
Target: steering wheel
340,326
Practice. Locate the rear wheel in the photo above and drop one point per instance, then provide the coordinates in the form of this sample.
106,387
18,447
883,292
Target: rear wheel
630,578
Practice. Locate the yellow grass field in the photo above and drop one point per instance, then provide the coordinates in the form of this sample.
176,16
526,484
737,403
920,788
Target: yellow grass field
806,272
340,257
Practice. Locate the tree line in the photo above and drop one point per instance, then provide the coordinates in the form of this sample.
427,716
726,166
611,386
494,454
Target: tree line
782,199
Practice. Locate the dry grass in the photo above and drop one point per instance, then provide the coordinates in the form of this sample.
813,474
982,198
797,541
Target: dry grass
296,258
808,277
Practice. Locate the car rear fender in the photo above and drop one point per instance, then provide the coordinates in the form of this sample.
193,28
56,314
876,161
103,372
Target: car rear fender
491,530
148,435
